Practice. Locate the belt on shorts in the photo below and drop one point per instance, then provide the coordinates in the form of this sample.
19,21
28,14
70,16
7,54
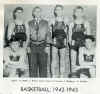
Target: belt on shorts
59,43
38,43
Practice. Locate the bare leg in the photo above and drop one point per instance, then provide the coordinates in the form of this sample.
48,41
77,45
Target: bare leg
73,59
62,62
12,72
67,63
26,68
55,63
92,72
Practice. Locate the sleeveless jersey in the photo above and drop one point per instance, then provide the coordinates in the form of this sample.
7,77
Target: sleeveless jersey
20,32
59,34
78,34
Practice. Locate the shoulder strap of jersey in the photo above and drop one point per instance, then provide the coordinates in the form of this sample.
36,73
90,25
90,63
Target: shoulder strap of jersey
74,25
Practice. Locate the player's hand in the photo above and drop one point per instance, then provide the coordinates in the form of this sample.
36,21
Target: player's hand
28,50
65,42
24,45
5,66
47,50
73,42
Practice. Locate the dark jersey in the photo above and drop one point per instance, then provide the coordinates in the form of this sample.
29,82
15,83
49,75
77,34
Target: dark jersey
59,34
20,32
78,34
88,58
14,58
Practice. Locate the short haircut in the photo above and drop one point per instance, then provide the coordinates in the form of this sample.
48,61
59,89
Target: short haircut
76,8
79,7
15,10
56,7
37,7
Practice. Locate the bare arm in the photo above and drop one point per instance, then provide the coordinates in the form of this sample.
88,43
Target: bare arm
70,33
6,56
22,56
10,30
51,23
67,36
27,34
49,37
81,58
87,26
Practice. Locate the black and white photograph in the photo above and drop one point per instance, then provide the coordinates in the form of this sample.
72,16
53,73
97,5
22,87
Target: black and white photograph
49,41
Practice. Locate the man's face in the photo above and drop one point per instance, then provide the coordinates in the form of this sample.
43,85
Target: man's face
37,12
59,11
15,45
79,13
19,14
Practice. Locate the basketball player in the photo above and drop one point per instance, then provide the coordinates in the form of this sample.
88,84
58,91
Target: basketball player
87,62
18,27
15,60
77,29
59,26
